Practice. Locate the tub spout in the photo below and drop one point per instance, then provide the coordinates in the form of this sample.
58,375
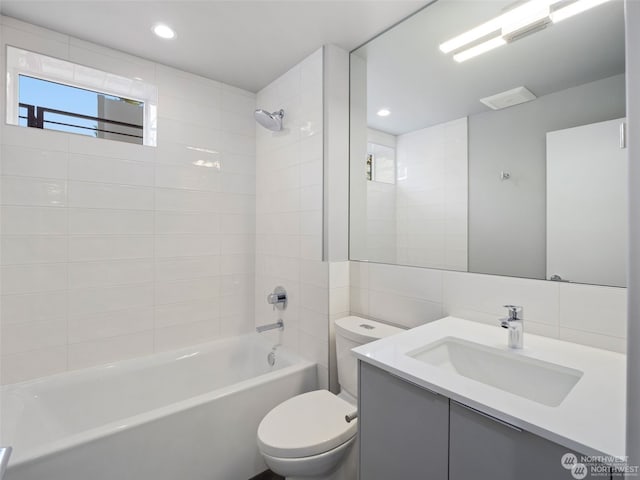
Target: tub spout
270,326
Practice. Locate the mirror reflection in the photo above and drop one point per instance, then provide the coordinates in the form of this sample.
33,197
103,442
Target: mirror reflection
489,137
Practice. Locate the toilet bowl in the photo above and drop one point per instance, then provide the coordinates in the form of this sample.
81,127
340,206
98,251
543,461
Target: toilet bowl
307,436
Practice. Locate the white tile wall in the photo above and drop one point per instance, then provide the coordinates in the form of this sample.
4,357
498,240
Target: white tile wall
289,200
432,186
339,306
111,250
382,235
410,296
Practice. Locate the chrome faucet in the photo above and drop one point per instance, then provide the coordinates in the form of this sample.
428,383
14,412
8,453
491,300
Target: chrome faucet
278,298
515,325
270,326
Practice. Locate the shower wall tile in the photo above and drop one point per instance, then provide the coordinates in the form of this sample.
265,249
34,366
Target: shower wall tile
91,168
111,250
288,221
192,312
105,195
27,191
33,221
111,349
110,273
33,307
187,334
110,324
33,162
91,221
33,363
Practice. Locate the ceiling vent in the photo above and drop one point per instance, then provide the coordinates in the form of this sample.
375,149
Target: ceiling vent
512,97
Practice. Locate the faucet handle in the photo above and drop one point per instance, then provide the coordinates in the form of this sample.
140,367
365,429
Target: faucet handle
515,312
278,298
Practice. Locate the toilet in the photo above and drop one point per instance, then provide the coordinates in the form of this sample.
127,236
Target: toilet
307,436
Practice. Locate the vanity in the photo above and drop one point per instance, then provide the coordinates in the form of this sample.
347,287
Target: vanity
450,400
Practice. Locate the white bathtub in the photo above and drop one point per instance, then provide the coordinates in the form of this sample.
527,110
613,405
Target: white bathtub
185,415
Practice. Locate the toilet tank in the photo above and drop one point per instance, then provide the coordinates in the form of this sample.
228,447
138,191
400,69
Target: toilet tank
352,332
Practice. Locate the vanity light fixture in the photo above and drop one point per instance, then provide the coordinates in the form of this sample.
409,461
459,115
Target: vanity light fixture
383,112
163,31
573,9
479,49
522,20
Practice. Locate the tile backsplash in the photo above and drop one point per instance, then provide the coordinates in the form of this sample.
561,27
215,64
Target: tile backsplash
111,250
410,296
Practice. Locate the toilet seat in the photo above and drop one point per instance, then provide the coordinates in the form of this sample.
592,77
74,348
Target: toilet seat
306,425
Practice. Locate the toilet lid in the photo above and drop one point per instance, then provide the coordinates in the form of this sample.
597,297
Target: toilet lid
305,425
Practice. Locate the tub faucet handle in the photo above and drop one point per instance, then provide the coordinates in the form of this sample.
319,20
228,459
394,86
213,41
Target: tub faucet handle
278,298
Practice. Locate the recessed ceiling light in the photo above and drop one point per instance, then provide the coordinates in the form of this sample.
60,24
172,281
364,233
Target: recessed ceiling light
163,31
383,112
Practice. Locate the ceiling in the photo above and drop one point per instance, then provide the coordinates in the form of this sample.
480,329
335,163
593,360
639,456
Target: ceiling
243,43
421,86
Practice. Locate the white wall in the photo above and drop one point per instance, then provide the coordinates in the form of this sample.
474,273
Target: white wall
112,250
289,213
513,140
431,192
411,296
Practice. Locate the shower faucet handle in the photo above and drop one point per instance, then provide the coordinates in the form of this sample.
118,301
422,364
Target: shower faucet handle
278,298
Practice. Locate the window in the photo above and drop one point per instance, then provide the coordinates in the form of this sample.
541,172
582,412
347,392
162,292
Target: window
54,106
48,93
381,163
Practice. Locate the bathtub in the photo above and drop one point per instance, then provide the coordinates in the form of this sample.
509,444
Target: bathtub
191,414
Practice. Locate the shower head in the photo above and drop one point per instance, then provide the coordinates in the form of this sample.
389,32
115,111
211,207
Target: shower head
270,121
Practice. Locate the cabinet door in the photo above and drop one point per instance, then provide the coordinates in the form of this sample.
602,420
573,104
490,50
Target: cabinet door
483,448
403,429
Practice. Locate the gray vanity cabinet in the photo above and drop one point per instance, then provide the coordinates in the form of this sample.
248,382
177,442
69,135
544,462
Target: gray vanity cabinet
409,433
481,448
404,429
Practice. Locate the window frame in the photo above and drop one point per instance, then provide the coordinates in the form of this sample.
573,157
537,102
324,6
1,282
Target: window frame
43,67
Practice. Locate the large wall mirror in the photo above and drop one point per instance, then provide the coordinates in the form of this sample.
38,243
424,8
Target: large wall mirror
489,137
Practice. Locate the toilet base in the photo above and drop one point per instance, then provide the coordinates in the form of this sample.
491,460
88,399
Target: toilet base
341,463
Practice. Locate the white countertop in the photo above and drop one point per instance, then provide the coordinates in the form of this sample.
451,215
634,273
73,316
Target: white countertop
590,420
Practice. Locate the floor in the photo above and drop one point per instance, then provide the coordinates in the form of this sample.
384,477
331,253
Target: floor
267,475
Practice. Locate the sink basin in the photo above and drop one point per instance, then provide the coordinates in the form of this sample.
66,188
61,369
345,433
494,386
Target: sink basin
536,380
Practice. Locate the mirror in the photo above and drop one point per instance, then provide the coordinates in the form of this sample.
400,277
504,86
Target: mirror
502,155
